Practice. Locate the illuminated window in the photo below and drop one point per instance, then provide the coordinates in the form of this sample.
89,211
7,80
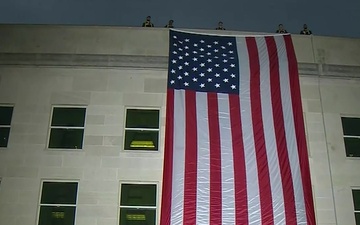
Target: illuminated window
142,129
351,129
67,127
5,122
138,204
58,203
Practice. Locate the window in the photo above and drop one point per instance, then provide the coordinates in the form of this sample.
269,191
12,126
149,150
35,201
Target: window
138,204
5,121
351,129
142,129
67,128
356,200
58,203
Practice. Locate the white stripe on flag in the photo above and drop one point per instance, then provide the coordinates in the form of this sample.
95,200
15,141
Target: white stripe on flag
177,200
290,130
227,164
248,137
203,161
269,134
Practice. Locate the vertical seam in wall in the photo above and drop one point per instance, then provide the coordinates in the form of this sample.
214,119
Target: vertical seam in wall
319,65
328,153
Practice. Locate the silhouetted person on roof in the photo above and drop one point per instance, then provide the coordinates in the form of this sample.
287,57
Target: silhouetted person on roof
170,24
220,26
148,23
281,29
305,30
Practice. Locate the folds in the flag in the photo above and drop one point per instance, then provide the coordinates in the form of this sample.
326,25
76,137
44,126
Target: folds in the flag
235,148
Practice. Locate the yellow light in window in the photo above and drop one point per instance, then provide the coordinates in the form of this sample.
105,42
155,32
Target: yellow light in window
138,217
58,215
142,144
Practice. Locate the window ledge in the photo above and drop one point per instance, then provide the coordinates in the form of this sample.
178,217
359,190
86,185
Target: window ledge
64,149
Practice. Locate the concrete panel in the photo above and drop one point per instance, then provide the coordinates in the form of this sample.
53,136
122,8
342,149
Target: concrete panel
337,51
20,184
43,160
88,198
325,216
116,119
25,220
14,209
61,173
314,106
113,140
144,100
95,119
7,219
100,174
155,85
102,151
111,162
82,40
140,175
27,172
96,211
106,98
85,221
93,140
340,97
127,81
8,158
310,92
98,130
81,161
303,48
70,98
100,187
89,82
9,196
106,110
107,221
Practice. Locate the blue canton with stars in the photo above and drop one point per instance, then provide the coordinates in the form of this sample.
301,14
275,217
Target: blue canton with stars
203,63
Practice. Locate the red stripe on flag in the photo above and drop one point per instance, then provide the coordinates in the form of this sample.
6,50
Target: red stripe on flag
168,160
190,179
215,161
278,115
259,139
300,130
241,200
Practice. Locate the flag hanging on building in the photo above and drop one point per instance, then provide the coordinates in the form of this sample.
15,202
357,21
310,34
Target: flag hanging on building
235,148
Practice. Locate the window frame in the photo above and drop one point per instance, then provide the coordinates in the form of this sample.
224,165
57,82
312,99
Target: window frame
352,197
7,126
61,205
63,127
144,129
349,136
156,207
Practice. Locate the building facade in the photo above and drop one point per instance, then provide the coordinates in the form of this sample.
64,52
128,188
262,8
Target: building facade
75,106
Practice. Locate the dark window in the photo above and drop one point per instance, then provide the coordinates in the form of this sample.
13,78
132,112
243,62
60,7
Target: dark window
351,130
138,204
67,128
58,203
142,129
59,193
356,200
6,113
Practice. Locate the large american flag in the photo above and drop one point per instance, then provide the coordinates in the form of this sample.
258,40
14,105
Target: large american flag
235,148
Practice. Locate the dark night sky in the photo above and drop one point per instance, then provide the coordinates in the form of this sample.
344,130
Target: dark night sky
324,17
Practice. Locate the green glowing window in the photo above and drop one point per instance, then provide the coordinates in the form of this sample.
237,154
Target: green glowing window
138,204
142,129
